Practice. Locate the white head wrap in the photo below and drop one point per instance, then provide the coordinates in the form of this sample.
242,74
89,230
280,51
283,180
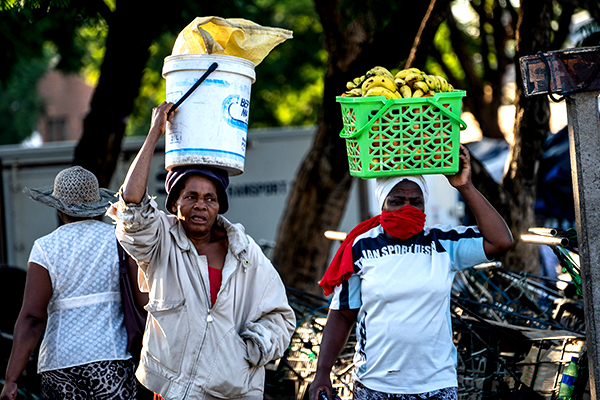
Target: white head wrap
384,186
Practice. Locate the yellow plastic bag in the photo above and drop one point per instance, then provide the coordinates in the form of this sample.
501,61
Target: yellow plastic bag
235,37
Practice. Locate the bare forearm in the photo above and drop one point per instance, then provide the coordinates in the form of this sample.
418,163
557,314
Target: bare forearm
26,336
333,340
335,336
136,180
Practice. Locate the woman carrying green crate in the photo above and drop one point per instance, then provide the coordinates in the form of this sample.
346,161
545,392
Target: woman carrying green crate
393,276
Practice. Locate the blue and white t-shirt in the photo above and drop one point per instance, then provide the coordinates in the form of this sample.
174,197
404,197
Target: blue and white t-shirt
402,288
85,318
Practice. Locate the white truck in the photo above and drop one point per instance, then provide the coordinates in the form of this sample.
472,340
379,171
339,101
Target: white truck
257,197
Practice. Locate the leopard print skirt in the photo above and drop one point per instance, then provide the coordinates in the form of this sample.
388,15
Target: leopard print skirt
361,392
113,379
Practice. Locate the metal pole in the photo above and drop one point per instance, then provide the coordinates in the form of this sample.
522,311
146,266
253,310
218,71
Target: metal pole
584,145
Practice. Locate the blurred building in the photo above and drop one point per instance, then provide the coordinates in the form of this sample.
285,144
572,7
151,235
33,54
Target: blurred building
66,99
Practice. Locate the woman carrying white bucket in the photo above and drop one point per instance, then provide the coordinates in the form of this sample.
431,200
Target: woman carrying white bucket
218,310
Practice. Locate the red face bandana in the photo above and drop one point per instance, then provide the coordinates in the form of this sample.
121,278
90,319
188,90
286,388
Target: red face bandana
403,222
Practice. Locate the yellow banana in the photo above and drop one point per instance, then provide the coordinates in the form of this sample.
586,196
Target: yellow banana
356,92
450,88
405,91
431,92
415,70
438,82
381,91
432,82
402,73
381,81
443,83
379,71
350,85
421,85
400,82
358,81
428,81
418,93
412,77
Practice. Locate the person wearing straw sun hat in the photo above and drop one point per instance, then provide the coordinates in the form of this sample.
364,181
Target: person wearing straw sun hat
72,295
218,309
75,193
393,276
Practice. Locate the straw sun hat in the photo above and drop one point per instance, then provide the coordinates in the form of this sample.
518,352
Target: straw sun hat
75,192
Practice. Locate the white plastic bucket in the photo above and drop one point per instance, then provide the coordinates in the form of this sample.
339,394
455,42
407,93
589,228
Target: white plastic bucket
211,125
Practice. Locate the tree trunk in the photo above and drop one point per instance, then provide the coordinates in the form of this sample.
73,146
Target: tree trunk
531,128
131,31
132,28
318,196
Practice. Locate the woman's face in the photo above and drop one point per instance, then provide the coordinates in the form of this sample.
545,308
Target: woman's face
405,192
197,206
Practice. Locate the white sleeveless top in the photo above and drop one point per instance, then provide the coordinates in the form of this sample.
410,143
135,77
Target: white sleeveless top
85,318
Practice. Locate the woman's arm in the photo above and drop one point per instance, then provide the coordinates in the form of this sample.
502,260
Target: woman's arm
335,336
136,180
29,327
497,238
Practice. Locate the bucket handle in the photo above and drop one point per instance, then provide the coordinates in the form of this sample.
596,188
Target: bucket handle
389,103
209,71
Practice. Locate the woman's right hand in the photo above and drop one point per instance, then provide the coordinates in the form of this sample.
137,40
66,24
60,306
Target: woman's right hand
322,382
160,117
9,392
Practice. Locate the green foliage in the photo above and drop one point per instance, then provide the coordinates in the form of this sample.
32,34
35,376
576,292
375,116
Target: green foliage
289,82
19,102
31,4
91,38
34,36
19,39
27,29
442,42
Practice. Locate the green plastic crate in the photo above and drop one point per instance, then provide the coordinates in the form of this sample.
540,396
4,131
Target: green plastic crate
415,136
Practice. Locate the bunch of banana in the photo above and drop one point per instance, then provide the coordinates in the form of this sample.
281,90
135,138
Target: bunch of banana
378,81
354,86
413,82
380,85
410,82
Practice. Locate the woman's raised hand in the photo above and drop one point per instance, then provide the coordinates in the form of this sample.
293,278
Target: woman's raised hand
160,116
463,176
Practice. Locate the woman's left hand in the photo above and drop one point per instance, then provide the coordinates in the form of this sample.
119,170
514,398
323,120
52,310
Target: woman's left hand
9,392
463,176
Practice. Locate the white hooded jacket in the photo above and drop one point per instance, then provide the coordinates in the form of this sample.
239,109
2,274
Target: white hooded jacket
192,350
